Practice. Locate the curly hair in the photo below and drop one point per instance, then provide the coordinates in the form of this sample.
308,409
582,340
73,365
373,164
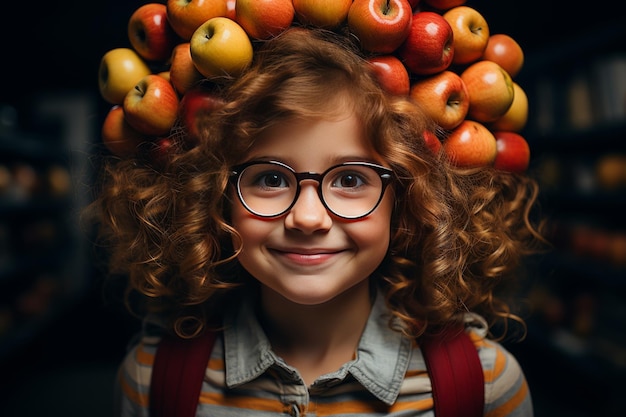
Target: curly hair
456,232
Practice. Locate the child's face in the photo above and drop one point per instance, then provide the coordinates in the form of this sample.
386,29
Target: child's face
309,255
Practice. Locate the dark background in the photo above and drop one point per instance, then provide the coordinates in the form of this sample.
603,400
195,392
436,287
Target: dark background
54,48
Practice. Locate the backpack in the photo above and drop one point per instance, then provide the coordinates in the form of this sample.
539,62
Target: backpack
451,359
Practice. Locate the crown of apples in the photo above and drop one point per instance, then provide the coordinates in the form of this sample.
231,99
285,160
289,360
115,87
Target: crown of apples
479,123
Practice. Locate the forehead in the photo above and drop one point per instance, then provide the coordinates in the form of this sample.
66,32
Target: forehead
315,144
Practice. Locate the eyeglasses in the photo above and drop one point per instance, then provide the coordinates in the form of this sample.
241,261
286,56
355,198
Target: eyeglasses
351,190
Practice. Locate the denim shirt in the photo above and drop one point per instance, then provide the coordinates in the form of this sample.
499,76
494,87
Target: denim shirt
380,364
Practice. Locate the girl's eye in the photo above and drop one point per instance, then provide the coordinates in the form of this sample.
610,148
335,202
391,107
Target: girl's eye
348,180
271,180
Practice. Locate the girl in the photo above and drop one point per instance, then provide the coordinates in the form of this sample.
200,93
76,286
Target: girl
317,233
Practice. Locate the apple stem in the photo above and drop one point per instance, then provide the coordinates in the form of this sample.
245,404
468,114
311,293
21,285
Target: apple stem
387,7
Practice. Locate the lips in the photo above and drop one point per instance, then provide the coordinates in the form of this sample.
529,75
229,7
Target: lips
302,256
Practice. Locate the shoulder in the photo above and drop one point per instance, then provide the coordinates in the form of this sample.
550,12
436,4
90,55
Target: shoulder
135,372
506,388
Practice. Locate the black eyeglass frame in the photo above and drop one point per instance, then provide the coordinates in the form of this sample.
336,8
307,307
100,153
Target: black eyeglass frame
385,174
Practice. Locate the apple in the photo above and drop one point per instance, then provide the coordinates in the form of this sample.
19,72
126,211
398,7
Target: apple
118,136
513,152
230,9
470,144
193,104
414,3
220,47
264,19
149,32
471,34
516,116
444,98
444,4
120,70
429,47
185,16
152,106
164,74
490,89
159,150
432,141
326,14
380,25
391,74
183,73
506,52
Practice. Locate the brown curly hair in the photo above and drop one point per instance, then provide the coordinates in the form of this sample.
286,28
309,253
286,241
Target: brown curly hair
456,232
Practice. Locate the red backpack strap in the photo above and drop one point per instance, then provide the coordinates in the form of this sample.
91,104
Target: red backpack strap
177,375
456,374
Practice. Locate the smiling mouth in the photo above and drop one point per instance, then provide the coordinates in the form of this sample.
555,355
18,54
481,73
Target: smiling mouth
306,257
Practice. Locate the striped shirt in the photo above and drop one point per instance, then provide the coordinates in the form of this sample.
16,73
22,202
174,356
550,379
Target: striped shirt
387,376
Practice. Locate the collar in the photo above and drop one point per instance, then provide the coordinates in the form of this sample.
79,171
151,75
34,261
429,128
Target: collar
380,364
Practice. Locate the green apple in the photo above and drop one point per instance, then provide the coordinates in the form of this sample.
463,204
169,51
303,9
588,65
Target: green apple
120,70
220,47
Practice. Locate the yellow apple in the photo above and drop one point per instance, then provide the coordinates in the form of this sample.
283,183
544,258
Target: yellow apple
327,14
506,52
516,116
490,90
471,34
185,16
471,144
120,70
220,47
264,19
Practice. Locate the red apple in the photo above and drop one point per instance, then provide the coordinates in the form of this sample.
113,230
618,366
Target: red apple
391,74
470,144
516,116
380,25
444,4
327,14
506,52
432,141
120,70
428,48
513,152
193,104
490,89
471,34
159,150
230,9
149,32
221,48
119,137
152,106
183,73
414,3
185,16
444,98
264,19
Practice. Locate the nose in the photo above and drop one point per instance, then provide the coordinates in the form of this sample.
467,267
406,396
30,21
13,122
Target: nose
308,214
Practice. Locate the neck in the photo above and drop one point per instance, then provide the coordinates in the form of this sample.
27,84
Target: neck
316,339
